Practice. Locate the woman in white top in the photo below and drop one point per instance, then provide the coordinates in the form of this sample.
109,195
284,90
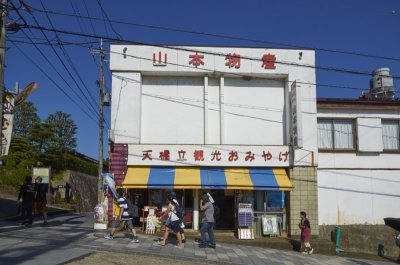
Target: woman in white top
173,222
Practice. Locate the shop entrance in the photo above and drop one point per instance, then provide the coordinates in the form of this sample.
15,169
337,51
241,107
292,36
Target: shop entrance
225,199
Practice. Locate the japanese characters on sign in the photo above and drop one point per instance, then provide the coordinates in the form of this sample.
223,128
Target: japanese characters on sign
196,59
207,155
159,60
232,60
295,103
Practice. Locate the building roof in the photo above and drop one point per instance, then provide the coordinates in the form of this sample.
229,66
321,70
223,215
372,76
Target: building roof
357,104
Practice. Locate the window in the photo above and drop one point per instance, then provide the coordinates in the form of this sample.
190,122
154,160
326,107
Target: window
390,135
336,134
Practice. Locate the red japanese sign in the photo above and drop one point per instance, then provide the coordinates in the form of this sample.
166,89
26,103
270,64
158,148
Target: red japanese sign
196,59
159,60
212,155
268,61
233,60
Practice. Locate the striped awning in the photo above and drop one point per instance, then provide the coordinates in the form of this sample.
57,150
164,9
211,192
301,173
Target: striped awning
207,178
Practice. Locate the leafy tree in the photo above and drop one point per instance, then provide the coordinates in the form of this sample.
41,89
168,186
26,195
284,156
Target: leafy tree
25,117
19,153
40,136
64,133
18,162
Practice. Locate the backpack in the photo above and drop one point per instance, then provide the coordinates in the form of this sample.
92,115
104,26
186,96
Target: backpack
217,212
132,209
178,211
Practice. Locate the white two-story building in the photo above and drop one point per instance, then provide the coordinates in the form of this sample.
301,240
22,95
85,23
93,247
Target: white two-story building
238,122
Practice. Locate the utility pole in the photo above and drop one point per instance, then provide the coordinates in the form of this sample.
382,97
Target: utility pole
101,125
101,120
2,55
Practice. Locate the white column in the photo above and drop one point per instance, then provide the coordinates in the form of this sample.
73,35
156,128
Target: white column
206,109
196,210
221,110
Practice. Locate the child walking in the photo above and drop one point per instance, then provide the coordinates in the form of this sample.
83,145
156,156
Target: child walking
305,227
124,217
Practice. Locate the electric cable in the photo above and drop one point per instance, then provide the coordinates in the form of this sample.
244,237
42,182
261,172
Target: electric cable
324,68
66,55
49,62
103,11
55,83
216,35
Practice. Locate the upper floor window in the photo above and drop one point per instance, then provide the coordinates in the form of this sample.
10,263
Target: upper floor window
336,134
390,135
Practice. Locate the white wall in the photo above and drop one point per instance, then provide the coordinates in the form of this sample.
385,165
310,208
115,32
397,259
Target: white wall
125,107
172,110
357,196
254,111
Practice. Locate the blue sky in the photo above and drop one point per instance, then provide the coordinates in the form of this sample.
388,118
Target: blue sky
362,26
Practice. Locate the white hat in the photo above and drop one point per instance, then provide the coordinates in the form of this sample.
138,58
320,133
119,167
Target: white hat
210,198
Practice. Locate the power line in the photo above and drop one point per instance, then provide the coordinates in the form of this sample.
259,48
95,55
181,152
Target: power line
324,68
78,19
72,66
104,21
44,56
235,74
242,75
66,55
281,44
104,13
90,20
54,68
47,75
41,41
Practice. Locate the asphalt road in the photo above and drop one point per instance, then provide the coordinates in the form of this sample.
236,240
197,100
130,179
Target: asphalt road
8,208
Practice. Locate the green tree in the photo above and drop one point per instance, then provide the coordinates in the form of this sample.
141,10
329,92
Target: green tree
64,133
25,117
20,153
18,162
40,136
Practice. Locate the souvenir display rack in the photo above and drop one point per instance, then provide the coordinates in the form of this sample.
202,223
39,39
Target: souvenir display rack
245,221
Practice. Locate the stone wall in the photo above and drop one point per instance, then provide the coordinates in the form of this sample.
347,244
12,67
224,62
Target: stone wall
363,238
84,189
303,197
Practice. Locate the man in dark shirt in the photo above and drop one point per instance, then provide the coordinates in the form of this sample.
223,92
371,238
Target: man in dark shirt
40,198
27,194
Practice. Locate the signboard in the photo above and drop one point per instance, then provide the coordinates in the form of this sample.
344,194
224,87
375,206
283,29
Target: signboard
297,129
109,179
270,225
208,155
6,130
44,173
6,133
8,115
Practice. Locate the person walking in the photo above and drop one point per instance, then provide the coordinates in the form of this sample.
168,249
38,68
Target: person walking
173,222
305,236
27,194
182,232
123,217
207,222
40,198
